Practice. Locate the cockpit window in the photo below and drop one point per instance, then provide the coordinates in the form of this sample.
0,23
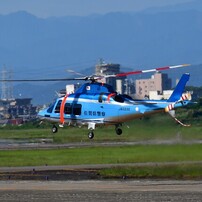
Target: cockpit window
127,96
50,109
119,98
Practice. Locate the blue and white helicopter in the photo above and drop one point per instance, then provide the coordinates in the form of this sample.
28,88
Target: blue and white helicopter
96,103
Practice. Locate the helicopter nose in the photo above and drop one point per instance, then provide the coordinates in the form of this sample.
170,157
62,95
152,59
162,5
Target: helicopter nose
41,114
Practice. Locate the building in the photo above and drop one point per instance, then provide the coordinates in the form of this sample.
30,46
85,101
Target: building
154,95
14,111
70,88
102,69
158,82
17,110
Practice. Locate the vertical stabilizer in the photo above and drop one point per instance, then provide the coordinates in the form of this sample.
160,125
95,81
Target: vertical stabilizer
179,89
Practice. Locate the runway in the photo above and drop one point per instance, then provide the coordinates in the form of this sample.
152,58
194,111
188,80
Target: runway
107,190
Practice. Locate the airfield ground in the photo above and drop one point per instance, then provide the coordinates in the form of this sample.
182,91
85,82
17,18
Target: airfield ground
102,169
101,191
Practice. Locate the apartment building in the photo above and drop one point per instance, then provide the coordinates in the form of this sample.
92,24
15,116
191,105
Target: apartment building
158,82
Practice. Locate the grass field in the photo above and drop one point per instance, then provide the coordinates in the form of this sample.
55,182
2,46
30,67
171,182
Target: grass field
103,155
182,171
117,155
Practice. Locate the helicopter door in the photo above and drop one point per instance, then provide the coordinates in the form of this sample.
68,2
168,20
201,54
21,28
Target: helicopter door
76,109
68,108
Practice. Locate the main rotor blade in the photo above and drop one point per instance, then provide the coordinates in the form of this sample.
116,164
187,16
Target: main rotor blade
95,77
149,70
74,72
38,80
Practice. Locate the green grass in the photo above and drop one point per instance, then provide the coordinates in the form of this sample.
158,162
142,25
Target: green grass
24,133
182,171
102,155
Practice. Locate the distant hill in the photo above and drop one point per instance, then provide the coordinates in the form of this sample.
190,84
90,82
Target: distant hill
138,39
192,5
43,48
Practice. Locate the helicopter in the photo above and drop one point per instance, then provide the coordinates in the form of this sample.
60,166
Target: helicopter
96,103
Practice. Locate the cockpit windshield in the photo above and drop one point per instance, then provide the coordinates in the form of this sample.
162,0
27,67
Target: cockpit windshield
50,109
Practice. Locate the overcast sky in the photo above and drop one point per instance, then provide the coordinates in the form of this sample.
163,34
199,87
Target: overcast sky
47,8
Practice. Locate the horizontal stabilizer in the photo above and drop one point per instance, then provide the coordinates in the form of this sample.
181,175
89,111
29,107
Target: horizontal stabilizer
177,93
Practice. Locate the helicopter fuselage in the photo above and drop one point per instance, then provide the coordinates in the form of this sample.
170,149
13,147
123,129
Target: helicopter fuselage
81,109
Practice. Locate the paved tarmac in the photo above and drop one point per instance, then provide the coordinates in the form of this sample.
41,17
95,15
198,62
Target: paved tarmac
14,144
100,191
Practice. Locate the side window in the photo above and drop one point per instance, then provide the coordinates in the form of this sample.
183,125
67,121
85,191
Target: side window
77,109
68,108
57,108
